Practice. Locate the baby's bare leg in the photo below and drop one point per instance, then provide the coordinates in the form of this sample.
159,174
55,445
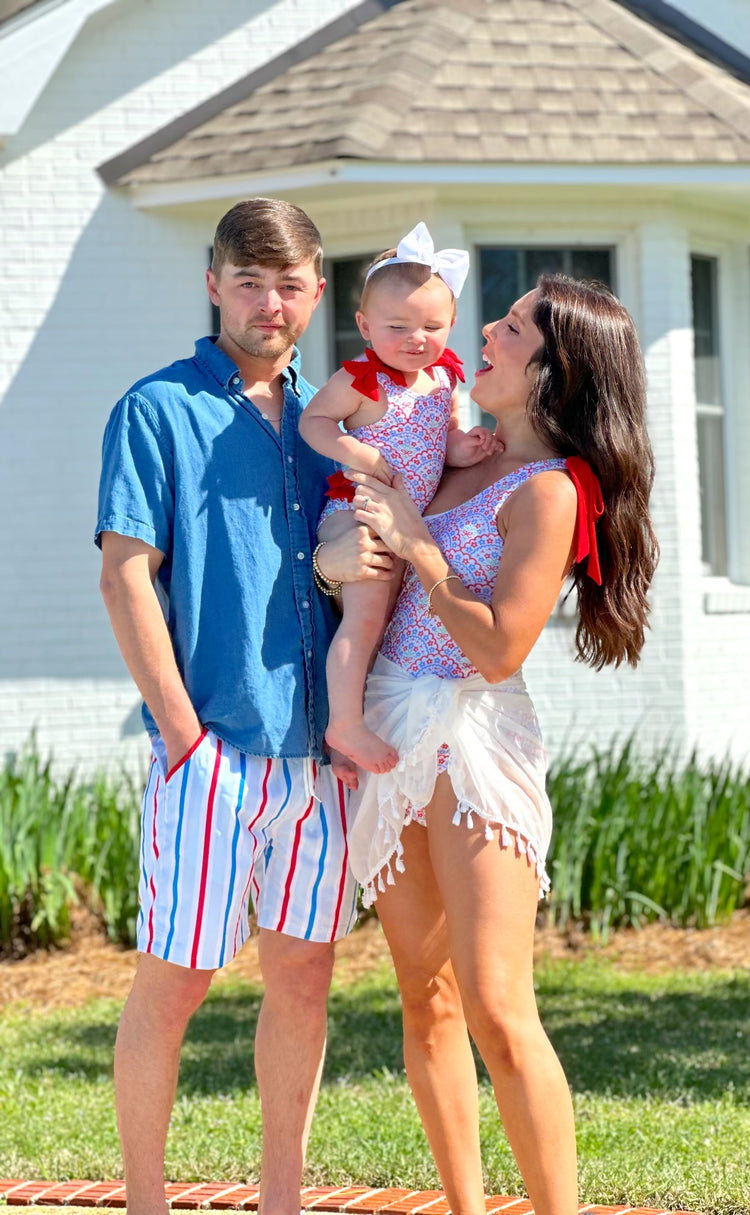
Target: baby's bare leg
366,608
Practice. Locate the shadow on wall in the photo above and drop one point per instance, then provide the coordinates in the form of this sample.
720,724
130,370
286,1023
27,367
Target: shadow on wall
131,45
131,300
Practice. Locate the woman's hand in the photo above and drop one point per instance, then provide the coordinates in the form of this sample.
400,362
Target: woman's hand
355,556
389,512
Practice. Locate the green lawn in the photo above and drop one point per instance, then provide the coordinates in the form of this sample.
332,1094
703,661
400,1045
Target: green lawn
659,1066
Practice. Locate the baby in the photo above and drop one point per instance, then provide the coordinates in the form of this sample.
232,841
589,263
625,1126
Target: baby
398,405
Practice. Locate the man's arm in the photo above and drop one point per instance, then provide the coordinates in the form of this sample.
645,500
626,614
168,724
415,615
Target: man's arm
129,568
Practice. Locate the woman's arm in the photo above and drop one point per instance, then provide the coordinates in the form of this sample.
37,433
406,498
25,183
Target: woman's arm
538,523
319,426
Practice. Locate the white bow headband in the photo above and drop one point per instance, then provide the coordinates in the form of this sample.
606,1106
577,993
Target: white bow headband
417,246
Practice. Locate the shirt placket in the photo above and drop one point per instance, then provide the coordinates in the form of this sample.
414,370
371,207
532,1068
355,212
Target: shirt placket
300,554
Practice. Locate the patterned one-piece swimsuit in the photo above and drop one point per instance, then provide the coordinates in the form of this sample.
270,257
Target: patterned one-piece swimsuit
470,542
411,436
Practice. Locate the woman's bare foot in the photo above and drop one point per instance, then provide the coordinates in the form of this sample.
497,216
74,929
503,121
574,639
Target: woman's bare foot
344,768
367,750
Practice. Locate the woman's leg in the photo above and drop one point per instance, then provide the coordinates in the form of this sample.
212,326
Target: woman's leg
490,897
366,608
437,1051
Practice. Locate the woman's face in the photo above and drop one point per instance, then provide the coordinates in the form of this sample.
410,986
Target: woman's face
510,351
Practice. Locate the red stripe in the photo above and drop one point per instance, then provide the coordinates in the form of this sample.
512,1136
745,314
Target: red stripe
342,883
290,875
263,802
151,879
206,851
187,754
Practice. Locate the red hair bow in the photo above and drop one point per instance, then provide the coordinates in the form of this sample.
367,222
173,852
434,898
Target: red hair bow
339,486
364,372
590,508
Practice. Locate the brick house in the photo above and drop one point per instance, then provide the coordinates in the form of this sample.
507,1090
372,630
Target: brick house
605,137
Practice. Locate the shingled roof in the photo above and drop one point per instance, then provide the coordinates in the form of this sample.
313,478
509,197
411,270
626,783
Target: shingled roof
505,81
11,8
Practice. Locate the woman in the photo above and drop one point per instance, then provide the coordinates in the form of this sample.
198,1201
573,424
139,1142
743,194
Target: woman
464,818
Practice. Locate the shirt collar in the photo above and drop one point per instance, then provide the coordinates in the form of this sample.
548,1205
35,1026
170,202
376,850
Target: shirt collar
222,368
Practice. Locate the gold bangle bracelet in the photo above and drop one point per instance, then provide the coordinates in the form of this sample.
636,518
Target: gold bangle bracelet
440,581
326,585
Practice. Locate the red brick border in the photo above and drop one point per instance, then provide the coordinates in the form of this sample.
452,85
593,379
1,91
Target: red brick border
228,1196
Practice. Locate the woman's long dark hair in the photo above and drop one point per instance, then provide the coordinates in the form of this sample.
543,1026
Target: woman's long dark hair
589,399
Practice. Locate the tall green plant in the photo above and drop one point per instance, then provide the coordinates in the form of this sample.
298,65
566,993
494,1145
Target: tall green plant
637,838
59,840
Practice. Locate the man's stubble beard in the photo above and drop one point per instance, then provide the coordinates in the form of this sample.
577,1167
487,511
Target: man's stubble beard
266,347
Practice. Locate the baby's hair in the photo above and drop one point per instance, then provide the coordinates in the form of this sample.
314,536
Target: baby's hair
408,274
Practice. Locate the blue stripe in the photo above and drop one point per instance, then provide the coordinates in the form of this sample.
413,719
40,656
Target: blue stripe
235,843
318,880
175,881
288,779
146,804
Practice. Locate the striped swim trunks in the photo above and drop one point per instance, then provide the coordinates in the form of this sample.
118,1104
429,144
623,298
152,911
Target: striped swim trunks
224,831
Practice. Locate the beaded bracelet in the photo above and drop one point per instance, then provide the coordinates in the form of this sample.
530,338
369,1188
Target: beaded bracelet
326,585
440,581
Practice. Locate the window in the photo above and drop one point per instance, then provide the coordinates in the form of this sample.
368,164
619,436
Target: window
709,412
345,277
214,316
507,273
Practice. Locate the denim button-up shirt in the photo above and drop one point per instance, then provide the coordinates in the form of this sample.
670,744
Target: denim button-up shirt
191,468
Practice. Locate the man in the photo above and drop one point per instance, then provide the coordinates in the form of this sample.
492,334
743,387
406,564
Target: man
207,514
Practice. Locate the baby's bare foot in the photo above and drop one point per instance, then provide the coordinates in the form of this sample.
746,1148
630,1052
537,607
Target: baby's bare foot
361,745
344,768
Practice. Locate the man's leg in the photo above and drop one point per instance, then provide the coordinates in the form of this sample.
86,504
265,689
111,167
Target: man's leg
289,1049
147,1056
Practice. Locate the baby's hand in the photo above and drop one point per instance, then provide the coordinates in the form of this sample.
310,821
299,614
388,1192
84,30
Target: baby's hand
470,446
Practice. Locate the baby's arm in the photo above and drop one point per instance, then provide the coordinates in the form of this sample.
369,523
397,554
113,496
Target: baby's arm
465,447
319,426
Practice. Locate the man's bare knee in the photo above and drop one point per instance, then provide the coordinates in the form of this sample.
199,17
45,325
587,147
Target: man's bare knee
166,993
290,965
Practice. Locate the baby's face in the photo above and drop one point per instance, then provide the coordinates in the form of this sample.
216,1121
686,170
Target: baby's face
407,326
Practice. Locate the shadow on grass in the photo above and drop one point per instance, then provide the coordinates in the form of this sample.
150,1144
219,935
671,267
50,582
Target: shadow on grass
683,1046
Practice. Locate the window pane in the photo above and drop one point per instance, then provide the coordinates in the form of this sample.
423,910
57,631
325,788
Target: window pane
592,263
346,277
498,269
507,273
540,261
711,469
705,330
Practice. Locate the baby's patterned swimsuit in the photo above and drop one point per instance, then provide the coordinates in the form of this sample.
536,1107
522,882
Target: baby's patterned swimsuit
411,436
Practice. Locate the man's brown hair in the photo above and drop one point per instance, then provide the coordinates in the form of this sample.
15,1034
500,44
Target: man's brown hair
266,232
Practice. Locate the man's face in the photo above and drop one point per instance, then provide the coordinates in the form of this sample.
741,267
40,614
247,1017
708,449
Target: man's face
264,309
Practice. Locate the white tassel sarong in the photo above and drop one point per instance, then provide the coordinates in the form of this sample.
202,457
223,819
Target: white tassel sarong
497,766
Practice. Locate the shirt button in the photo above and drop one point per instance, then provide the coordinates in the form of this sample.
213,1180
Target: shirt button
309,653
235,379
301,556
305,603
290,459
295,506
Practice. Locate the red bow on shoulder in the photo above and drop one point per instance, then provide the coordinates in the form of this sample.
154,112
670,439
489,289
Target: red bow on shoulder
339,486
364,372
590,508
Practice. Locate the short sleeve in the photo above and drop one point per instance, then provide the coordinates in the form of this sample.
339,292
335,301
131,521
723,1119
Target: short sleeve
136,489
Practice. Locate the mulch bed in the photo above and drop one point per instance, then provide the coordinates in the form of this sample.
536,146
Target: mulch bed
91,966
